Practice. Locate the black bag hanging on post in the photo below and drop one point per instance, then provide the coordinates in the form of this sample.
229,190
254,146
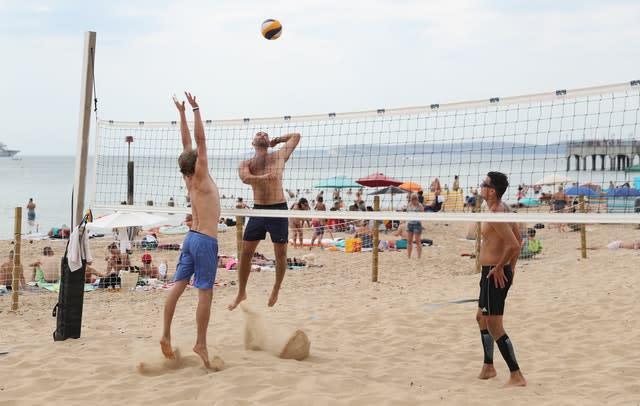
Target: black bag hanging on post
68,310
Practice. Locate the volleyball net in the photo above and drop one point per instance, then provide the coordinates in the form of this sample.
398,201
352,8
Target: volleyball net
583,140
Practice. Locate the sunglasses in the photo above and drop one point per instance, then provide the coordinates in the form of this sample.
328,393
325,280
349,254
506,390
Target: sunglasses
487,185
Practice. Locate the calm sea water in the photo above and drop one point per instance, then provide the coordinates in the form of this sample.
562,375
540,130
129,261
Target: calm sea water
49,180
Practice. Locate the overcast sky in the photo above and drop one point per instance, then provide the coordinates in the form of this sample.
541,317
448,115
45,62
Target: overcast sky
332,56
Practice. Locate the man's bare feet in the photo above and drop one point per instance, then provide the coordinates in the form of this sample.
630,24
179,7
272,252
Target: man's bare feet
165,346
274,296
201,350
487,372
237,301
516,379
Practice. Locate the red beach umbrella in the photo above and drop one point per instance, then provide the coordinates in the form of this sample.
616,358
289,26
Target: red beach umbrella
377,180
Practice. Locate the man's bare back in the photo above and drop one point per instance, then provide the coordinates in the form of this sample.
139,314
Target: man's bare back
205,206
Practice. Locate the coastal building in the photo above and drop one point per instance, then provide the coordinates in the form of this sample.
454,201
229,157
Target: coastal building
620,154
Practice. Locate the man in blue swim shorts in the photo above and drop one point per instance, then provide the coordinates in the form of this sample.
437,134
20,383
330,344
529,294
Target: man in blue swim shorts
498,256
264,173
199,255
31,214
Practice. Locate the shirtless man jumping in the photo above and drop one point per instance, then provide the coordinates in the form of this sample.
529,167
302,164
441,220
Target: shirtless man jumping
498,255
200,247
264,173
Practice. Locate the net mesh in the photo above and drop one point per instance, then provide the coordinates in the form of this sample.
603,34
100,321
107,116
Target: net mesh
582,140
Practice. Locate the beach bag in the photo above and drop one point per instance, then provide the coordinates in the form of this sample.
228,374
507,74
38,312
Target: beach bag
109,281
68,310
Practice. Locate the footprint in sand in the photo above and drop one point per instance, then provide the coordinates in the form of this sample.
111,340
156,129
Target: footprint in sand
166,365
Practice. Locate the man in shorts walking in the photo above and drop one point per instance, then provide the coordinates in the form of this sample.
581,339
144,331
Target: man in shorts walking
498,255
264,173
199,254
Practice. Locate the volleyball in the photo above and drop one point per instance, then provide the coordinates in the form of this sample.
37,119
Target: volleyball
271,29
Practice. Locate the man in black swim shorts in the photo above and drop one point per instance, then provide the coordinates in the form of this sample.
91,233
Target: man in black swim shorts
264,173
498,255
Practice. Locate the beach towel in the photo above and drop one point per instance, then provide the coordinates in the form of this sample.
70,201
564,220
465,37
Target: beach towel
78,248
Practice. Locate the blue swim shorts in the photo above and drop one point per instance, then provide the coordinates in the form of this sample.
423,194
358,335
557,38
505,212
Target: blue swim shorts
278,227
415,228
199,256
31,215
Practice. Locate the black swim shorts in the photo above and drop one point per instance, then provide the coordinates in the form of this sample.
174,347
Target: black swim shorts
278,227
492,299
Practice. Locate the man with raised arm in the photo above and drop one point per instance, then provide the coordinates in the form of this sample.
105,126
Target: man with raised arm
199,254
498,255
264,173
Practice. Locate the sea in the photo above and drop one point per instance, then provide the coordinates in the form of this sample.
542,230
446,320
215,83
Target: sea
49,180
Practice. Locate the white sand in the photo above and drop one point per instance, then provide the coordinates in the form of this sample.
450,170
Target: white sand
574,323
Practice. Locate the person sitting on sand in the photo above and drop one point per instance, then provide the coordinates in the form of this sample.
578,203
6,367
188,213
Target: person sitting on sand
531,246
116,261
90,274
148,269
47,268
6,272
401,231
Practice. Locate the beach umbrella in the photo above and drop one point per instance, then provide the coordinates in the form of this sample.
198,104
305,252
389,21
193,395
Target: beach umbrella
634,168
623,192
411,186
389,190
337,182
529,202
553,180
377,180
126,219
592,186
125,223
581,190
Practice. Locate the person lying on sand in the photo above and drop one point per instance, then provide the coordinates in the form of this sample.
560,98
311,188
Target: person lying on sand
614,245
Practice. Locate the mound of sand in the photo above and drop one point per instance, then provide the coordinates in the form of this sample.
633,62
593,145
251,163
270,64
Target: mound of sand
260,335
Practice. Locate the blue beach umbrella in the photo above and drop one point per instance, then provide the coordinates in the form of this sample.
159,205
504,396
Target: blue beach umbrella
623,192
581,190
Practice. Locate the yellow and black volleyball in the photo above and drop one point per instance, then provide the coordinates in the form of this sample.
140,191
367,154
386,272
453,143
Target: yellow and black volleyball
271,29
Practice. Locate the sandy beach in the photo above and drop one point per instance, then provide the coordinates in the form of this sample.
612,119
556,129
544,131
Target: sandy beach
574,323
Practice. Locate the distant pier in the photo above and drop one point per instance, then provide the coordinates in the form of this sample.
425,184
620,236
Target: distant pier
620,154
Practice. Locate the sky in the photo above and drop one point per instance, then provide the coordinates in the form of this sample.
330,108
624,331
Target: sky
333,56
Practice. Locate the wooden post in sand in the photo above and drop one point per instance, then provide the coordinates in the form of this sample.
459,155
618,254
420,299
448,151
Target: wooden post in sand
478,235
239,226
376,240
583,230
15,283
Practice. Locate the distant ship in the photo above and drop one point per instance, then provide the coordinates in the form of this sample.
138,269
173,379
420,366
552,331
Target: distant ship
4,152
